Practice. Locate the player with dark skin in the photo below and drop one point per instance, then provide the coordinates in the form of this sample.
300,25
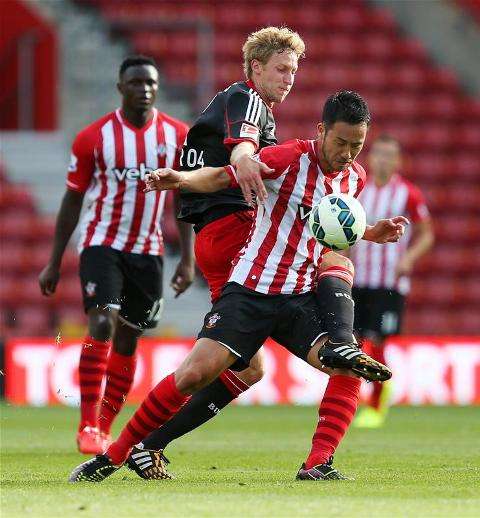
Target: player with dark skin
138,87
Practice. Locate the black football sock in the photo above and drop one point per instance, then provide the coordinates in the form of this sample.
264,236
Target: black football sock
200,408
336,308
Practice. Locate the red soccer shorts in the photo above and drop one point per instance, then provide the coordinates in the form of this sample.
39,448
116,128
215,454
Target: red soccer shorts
217,245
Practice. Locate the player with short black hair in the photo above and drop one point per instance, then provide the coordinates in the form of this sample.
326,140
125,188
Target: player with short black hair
383,273
271,291
346,106
135,61
120,244
236,123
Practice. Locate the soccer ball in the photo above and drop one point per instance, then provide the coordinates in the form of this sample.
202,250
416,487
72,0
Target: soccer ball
338,221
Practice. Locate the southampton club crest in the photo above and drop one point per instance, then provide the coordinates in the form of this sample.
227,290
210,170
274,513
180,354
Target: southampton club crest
212,321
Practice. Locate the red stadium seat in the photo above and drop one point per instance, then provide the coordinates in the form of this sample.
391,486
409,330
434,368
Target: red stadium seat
68,292
31,320
350,44
16,227
13,258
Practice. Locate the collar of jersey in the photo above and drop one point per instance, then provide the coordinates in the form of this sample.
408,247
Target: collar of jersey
251,85
123,120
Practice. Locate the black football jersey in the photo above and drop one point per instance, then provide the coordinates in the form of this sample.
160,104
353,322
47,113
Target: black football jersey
237,114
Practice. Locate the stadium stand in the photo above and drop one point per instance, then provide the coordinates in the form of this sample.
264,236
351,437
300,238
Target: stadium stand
410,97
24,233
472,7
28,65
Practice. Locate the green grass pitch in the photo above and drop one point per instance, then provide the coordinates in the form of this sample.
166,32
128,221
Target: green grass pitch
425,462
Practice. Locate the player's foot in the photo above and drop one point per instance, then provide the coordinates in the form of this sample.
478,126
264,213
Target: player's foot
321,472
106,439
89,440
349,356
148,464
369,418
93,470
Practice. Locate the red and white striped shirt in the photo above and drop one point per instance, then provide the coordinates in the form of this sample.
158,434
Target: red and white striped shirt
109,161
375,264
281,256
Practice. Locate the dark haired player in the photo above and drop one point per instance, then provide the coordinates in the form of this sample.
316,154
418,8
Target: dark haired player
236,123
271,291
120,243
383,272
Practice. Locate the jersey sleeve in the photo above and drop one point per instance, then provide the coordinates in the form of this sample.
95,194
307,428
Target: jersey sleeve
278,158
242,114
416,207
182,131
361,178
82,162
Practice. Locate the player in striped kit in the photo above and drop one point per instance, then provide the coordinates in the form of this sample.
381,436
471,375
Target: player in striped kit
120,241
382,272
237,122
271,291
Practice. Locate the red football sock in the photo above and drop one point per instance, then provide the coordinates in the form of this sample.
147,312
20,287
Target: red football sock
377,354
336,412
120,373
233,383
162,402
91,369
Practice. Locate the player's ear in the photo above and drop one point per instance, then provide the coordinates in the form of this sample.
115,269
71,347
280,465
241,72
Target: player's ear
120,88
320,129
257,67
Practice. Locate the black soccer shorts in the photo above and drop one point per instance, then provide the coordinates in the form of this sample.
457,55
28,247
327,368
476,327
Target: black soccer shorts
378,312
130,283
242,319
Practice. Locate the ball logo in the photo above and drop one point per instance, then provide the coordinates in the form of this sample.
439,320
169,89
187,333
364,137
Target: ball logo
212,321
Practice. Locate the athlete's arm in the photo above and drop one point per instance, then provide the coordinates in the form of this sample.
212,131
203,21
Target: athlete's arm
249,171
210,179
67,220
386,230
423,239
185,271
205,179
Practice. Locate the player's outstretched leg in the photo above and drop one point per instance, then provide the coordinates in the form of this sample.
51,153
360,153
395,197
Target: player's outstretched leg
349,356
202,406
204,363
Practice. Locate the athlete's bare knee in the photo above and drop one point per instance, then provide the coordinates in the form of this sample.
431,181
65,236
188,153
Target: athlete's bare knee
255,371
204,363
101,324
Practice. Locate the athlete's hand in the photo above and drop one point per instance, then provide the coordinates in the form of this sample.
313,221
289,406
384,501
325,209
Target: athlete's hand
249,175
48,280
183,276
386,230
162,180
